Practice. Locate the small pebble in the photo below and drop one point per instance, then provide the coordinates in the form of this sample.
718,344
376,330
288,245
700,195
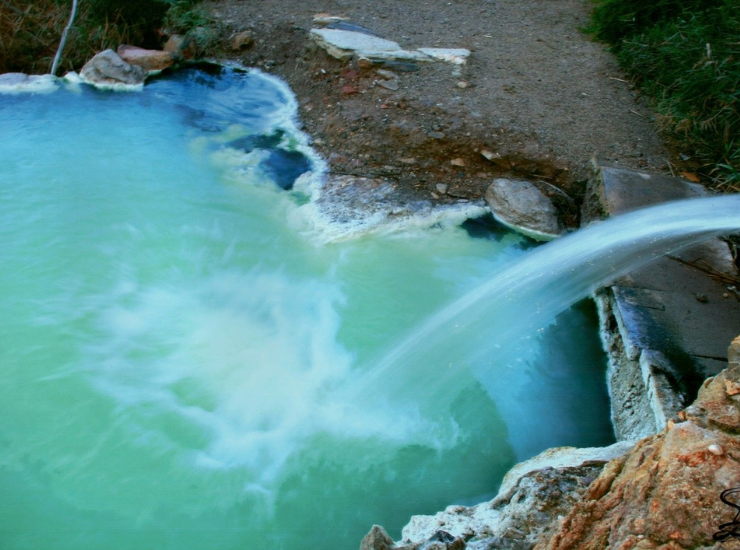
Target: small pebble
458,162
702,298
391,85
442,188
715,449
388,75
462,84
434,195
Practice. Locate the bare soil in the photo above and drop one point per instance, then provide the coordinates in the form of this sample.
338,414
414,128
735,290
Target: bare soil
536,91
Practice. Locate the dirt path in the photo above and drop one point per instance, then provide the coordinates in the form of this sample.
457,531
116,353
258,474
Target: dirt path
535,91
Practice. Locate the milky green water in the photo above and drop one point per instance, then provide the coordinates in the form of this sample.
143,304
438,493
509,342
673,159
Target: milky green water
175,348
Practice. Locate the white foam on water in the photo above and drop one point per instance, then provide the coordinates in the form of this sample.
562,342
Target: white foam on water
32,84
330,221
527,295
252,359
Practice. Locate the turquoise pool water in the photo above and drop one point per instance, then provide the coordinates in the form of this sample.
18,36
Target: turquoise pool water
176,344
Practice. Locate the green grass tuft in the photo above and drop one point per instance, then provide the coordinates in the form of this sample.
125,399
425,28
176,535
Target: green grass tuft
685,55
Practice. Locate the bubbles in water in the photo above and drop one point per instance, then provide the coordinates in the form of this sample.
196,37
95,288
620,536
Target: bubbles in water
250,358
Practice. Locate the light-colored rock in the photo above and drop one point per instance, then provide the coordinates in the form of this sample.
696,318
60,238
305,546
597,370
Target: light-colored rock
442,188
13,79
149,60
396,55
733,354
521,206
107,69
391,85
563,457
346,44
327,19
457,56
534,493
387,75
18,83
350,206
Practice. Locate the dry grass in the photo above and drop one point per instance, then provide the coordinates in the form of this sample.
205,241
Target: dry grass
30,31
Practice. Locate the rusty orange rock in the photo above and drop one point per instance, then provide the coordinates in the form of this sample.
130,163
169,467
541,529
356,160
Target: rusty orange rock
665,493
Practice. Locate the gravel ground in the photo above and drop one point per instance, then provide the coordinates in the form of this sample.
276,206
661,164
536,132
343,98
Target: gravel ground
536,92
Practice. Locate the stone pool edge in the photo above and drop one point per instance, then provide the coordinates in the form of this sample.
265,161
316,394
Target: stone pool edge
542,501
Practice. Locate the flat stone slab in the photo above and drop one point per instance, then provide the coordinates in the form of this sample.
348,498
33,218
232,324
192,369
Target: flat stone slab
678,323
457,56
345,44
669,308
625,190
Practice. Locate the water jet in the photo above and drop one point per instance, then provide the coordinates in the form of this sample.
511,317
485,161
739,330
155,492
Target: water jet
182,368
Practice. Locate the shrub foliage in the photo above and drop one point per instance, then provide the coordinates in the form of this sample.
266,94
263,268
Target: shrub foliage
685,55
30,29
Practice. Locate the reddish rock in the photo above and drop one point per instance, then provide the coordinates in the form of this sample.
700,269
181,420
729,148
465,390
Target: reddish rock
149,60
349,90
174,43
242,41
665,493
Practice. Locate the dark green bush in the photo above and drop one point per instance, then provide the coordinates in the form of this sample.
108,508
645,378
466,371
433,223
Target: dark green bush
30,30
685,55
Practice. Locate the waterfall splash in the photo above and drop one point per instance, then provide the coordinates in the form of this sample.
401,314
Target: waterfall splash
525,297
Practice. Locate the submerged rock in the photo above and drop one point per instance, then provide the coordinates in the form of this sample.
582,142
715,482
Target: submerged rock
521,206
108,69
149,60
285,167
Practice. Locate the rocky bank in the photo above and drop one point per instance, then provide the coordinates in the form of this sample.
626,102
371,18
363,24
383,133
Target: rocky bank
661,492
519,115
